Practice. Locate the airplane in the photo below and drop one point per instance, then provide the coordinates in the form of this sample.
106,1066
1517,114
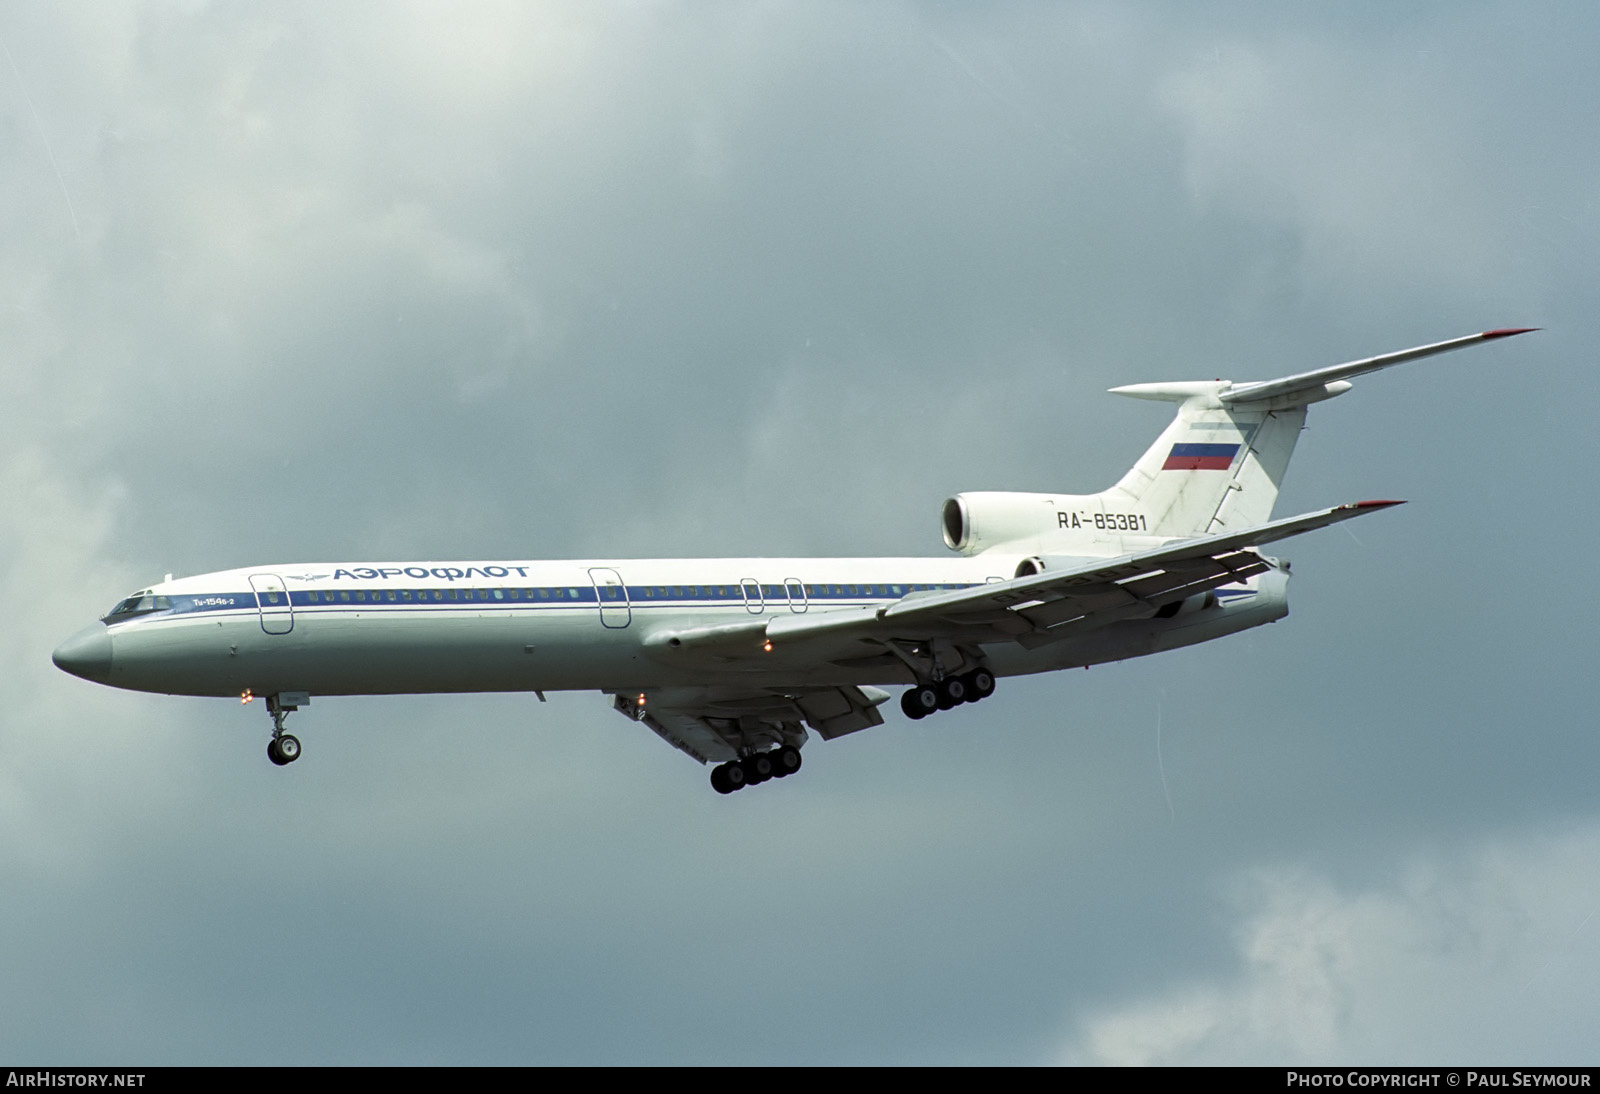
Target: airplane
733,660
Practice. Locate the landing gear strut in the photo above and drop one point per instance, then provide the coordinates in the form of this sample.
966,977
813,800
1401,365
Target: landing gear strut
284,748
947,693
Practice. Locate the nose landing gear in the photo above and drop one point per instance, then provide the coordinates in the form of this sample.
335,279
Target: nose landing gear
284,748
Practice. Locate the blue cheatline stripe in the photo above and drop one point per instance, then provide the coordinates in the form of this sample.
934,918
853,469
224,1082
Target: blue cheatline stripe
549,596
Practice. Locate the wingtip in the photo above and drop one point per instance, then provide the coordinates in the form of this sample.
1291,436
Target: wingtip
1378,504
1507,332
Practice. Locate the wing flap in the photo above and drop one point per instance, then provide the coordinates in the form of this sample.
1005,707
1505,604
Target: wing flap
713,724
1170,593
836,711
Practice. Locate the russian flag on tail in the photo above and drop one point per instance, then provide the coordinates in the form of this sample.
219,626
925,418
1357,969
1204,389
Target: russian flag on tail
1200,457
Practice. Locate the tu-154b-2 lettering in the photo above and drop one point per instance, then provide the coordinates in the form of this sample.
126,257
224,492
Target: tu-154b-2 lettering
734,660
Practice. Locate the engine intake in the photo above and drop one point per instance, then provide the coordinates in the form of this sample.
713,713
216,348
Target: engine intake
978,521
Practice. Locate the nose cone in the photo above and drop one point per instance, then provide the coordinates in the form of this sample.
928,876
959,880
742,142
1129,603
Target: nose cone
86,654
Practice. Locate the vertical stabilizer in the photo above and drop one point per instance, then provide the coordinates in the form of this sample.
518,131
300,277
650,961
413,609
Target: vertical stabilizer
1213,469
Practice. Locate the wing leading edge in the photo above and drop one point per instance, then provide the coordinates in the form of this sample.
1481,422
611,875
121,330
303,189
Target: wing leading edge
1031,611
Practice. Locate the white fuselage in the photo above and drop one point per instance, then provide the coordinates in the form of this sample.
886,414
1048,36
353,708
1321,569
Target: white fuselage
389,628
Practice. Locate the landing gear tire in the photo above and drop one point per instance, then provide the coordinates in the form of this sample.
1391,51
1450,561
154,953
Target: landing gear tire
283,750
728,777
952,692
980,685
919,702
757,767
785,761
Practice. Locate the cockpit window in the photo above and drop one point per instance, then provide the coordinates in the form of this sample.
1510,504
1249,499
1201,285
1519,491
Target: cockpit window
138,604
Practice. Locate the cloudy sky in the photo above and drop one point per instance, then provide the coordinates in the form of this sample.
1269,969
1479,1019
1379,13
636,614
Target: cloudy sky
384,281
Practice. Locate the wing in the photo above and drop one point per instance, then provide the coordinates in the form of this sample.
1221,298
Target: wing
1031,611
721,723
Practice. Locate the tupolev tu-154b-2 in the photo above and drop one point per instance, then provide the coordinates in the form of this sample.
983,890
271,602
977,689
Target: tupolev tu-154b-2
732,660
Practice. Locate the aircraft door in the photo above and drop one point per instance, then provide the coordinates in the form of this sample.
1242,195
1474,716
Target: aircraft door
272,601
797,594
754,603
612,595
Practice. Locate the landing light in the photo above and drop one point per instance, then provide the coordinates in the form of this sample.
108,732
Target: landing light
767,645
246,695
641,698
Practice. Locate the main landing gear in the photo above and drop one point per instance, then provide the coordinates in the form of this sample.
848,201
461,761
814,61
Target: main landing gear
952,691
757,767
284,748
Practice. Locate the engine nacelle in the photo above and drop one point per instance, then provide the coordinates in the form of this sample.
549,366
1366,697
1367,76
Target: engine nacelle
978,521
1038,564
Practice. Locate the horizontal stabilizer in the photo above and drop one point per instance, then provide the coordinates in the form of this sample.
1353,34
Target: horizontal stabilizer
1303,387
1318,380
